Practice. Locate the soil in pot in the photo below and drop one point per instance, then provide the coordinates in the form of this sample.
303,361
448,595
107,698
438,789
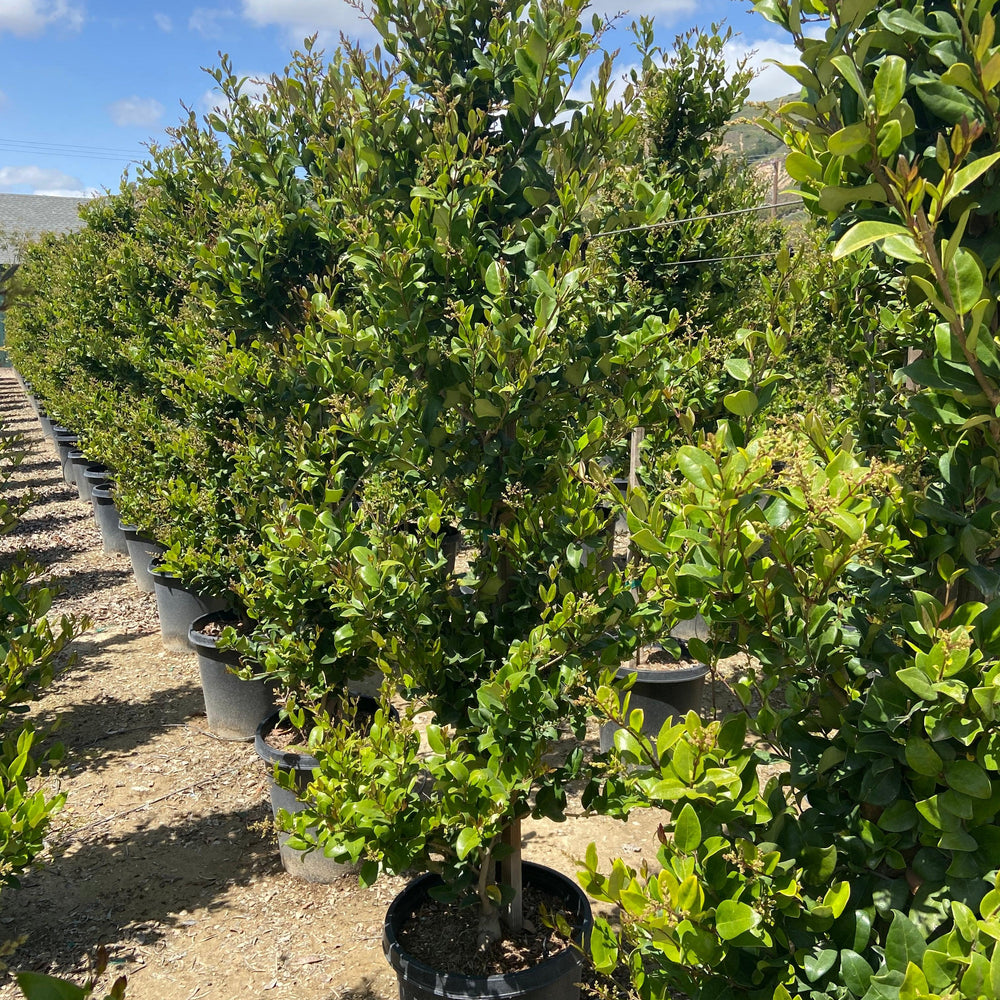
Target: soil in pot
433,945
235,707
665,688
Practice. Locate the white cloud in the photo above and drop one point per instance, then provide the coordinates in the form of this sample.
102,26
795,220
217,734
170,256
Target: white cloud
164,23
301,18
39,180
771,81
70,192
136,111
662,10
31,17
208,21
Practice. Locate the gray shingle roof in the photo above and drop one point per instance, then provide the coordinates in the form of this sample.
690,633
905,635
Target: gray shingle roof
30,215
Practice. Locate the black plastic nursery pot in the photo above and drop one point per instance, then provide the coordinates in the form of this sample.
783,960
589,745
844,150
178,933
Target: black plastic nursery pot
64,441
661,694
312,866
235,707
77,465
91,476
178,606
66,459
556,977
141,551
108,521
46,424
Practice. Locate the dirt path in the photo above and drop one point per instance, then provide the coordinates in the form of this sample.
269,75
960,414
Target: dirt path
165,851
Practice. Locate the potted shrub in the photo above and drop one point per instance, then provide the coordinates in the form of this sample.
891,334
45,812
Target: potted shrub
472,352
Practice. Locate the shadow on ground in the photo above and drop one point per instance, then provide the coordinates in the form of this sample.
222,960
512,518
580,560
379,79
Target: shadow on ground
97,733
139,885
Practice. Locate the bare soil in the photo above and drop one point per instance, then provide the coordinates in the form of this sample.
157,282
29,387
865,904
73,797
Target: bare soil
165,851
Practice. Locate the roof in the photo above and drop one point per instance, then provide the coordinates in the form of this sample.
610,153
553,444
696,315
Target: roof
30,215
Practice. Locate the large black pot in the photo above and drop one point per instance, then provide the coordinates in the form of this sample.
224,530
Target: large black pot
554,978
235,707
178,606
312,866
92,475
46,424
77,462
661,694
64,441
141,551
108,521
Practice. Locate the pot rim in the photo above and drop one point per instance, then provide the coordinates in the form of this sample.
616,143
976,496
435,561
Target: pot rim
500,985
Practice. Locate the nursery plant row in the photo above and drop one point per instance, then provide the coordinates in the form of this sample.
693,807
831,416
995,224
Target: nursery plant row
360,357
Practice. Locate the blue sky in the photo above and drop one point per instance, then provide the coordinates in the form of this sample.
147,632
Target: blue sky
85,83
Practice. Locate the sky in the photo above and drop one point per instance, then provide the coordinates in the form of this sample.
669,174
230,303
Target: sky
85,84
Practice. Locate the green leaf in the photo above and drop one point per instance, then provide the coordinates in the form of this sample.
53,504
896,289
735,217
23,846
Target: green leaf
733,918
968,778
696,466
855,972
493,283
849,140
37,986
965,280
800,167
889,85
864,234
847,69
739,368
903,248
818,964
835,199
742,403
949,104
904,943
922,757
468,840
687,831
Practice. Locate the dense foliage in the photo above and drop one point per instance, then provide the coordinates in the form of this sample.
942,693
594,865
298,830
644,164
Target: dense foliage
359,350
864,590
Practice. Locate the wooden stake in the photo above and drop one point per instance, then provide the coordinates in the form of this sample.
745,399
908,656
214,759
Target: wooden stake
511,875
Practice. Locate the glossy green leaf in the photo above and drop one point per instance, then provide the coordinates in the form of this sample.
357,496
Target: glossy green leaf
696,466
904,943
889,85
742,403
37,986
687,831
968,778
864,234
965,280
733,918
855,972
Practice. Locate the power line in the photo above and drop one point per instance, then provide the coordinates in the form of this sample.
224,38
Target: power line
771,205
39,148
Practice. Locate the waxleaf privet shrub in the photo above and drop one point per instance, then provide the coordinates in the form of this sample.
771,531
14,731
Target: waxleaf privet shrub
874,673
476,369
